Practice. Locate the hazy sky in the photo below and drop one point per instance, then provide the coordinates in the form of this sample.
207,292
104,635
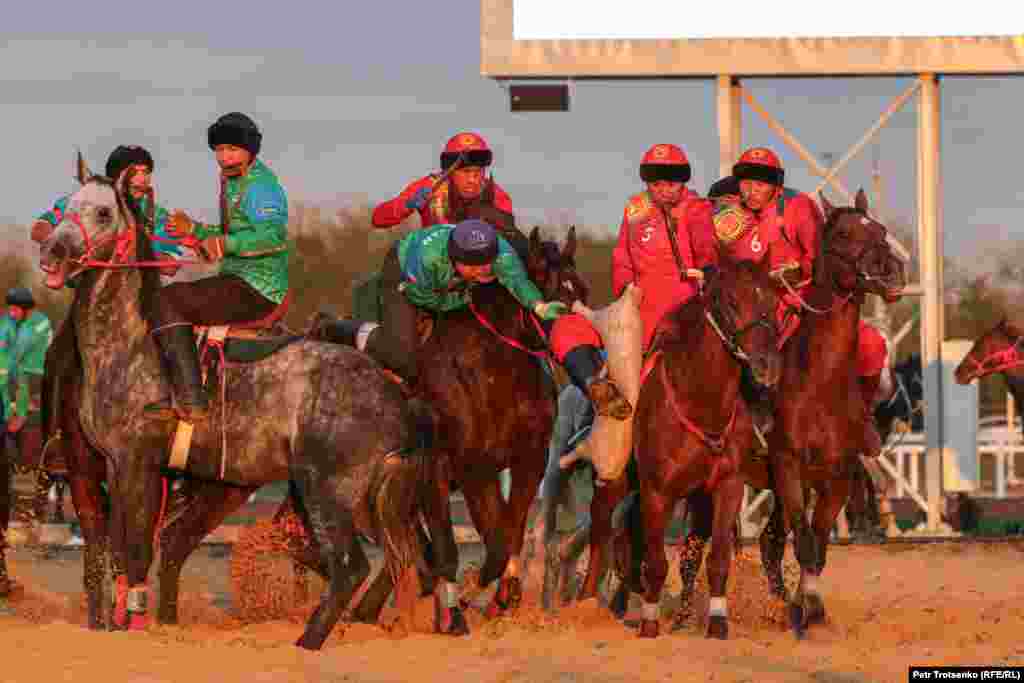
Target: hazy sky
356,99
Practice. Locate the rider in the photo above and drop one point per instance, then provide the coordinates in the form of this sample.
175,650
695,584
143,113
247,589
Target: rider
644,254
25,334
251,245
138,162
451,195
781,226
433,268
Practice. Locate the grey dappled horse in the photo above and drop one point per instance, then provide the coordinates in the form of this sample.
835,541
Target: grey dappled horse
321,416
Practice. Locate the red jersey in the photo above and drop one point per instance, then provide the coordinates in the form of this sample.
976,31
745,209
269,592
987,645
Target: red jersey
437,210
644,253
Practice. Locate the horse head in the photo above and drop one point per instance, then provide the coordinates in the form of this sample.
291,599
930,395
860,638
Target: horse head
854,254
95,226
741,301
553,270
1001,349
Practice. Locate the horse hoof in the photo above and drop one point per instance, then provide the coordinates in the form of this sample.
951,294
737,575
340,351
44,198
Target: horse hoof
718,627
649,628
620,603
814,609
454,625
796,620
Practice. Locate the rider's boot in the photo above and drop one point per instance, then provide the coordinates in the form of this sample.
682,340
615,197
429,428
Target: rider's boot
583,364
189,402
367,337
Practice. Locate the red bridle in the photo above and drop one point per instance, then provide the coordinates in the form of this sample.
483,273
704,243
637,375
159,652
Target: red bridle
997,361
123,241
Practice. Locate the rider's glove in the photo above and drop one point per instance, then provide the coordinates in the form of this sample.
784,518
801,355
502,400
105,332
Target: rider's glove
550,310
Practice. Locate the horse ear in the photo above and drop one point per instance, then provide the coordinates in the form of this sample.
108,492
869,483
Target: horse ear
82,171
860,202
826,205
569,250
535,245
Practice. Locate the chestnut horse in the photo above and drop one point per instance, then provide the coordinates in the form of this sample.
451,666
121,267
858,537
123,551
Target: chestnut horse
485,372
819,410
689,435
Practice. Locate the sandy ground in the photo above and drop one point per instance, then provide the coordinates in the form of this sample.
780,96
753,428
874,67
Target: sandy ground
889,607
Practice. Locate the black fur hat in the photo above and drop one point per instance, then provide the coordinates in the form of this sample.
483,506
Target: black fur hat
125,156
235,129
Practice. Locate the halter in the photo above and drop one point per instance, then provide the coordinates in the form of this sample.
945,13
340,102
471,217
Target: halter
998,361
732,342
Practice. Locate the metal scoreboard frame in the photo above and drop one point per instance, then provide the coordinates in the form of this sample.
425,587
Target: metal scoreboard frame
730,60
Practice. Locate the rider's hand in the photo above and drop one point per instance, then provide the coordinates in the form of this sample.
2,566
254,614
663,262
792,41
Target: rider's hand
15,423
419,199
212,248
550,310
695,274
179,224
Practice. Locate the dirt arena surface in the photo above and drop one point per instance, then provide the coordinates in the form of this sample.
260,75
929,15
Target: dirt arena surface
889,607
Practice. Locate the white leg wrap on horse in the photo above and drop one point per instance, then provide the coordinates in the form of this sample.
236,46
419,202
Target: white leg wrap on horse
136,599
449,594
512,569
363,334
809,584
717,608
651,611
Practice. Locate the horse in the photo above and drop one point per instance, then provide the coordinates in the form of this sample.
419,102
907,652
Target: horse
324,418
482,370
818,404
690,434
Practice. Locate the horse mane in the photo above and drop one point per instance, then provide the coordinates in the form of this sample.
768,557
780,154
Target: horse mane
131,210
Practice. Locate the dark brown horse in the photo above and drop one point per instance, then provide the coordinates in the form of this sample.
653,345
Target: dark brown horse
999,350
323,418
819,409
691,428
484,372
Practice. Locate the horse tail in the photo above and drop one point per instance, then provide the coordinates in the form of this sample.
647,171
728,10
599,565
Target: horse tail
402,491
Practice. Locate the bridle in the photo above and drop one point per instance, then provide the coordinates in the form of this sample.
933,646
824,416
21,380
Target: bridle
998,361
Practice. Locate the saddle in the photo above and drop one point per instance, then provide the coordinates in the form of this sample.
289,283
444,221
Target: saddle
221,346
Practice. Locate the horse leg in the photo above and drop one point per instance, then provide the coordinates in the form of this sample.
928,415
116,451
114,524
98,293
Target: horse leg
510,588
772,543
788,483
691,555
136,493
728,499
348,568
209,504
830,501
90,501
601,509
486,509
657,508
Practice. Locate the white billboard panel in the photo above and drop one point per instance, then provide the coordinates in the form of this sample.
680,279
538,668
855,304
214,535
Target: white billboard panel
652,38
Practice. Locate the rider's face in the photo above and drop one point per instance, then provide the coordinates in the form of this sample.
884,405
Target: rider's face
757,194
469,181
478,274
140,179
233,160
665,192
16,312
